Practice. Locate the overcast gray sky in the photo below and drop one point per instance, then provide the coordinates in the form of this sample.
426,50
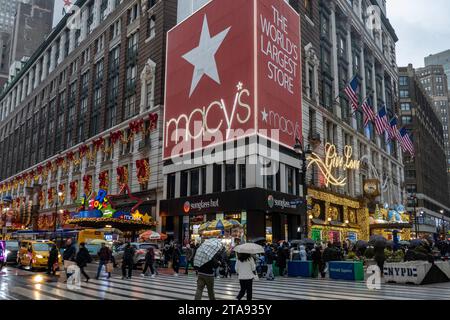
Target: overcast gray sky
422,26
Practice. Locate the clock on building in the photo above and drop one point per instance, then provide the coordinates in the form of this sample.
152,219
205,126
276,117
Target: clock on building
371,188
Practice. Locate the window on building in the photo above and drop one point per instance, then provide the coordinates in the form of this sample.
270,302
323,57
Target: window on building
151,32
195,181
406,107
404,93
230,177
217,178
242,176
184,184
403,81
171,186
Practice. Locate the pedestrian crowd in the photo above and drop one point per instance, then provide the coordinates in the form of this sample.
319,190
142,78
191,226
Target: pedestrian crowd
248,267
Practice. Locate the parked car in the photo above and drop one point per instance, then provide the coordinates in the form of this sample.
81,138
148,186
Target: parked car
12,249
139,256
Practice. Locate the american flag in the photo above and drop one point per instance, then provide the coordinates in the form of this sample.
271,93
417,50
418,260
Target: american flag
381,121
350,90
393,130
406,142
369,115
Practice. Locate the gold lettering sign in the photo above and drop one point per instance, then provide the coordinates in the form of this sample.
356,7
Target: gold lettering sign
334,161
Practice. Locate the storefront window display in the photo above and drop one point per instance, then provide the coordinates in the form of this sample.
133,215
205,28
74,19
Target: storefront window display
336,218
384,221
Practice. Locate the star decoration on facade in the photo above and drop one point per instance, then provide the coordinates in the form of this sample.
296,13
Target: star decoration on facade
203,56
265,115
240,86
146,218
137,215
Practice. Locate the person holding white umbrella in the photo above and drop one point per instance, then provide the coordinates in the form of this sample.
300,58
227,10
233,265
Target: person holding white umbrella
246,268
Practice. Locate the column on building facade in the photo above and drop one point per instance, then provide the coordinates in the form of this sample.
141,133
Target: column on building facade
359,10
30,80
69,180
350,64
135,187
84,24
62,43
72,39
363,71
37,70
58,182
147,77
84,164
52,57
96,21
111,6
375,98
96,181
115,164
336,102
23,91
44,66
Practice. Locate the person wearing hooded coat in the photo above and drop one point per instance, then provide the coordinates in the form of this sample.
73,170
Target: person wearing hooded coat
82,259
52,259
379,257
303,254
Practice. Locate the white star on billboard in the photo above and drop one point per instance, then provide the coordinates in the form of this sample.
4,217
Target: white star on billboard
203,56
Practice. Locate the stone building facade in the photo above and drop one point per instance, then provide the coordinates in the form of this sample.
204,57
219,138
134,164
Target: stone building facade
87,106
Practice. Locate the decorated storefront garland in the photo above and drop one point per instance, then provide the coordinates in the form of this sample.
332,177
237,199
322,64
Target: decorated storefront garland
122,176
51,196
62,190
143,171
103,178
73,190
85,151
87,184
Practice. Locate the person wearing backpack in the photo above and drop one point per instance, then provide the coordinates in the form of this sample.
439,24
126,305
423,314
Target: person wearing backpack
82,259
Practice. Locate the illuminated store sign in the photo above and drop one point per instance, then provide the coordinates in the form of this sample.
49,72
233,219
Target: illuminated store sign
233,70
334,161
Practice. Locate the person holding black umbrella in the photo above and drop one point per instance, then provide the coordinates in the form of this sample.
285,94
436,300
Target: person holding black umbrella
379,255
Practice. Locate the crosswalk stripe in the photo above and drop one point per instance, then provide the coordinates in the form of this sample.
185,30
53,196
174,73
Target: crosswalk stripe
168,287
102,294
32,294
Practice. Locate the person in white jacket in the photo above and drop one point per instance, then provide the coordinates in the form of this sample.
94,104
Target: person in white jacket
246,270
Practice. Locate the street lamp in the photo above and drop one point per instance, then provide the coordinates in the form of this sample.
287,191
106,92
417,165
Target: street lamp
442,211
413,198
303,154
56,212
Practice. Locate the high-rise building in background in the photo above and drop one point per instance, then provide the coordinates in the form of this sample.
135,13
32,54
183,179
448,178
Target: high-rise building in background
7,15
32,24
435,82
424,173
441,58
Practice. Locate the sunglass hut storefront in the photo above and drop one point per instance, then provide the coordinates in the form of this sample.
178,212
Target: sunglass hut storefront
241,215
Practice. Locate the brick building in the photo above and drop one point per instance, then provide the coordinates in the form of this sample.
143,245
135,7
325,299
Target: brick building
425,173
435,82
94,78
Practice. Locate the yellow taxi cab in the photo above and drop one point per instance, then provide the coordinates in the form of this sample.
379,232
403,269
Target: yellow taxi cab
34,253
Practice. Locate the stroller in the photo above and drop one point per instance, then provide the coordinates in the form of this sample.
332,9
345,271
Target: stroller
261,267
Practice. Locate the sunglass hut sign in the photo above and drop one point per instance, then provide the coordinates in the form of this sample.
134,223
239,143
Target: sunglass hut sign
233,70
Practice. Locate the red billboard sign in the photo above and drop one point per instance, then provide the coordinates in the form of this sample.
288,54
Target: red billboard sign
233,70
